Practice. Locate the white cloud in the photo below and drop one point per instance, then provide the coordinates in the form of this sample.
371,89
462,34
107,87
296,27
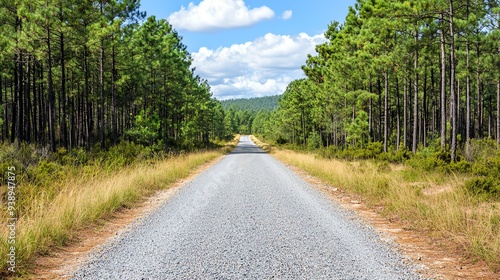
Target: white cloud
262,67
212,15
286,15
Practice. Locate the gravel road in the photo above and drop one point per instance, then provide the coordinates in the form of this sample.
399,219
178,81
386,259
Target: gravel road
247,217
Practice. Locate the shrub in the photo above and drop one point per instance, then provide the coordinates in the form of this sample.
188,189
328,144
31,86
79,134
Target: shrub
396,156
423,162
124,153
45,173
281,140
328,152
484,187
313,141
478,149
373,150
487,167
461,166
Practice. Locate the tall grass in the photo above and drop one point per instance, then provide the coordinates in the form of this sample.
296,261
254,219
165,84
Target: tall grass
52,213
433,202
264,146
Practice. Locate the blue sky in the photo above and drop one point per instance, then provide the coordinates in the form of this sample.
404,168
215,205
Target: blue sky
249,48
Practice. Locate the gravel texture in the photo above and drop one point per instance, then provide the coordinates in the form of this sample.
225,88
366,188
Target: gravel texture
248,217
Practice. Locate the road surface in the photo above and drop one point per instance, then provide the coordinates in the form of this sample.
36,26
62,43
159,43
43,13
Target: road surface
247,217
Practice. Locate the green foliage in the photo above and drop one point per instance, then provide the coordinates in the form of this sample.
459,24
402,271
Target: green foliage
478,149
357,130
373,150
429,159
314,141
45,174
396,156
489,166
145,129
459,166
484,187
75,157
281,140
126,153
485,157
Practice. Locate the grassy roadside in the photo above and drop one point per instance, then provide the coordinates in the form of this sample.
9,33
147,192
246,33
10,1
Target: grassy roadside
52,214
264,146
432,202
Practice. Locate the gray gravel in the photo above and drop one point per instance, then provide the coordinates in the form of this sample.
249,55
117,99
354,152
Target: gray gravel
248,217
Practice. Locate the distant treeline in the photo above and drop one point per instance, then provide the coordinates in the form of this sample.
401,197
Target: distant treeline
256,104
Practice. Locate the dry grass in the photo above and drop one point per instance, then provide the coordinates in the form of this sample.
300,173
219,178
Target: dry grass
229,146
53,217
264,146
434,203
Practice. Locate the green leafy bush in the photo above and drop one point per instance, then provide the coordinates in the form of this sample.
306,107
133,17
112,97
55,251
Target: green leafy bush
313,141
281,140
484,187
372,150
45,173
487,167
146,127
478,149
396,156
328,152
124,153
460,166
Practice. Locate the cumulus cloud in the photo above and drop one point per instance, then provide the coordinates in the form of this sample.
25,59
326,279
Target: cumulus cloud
262,67
212,15
286,14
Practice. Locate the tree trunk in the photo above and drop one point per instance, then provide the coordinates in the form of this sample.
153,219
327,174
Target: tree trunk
370,111
64,126
479,93
415,96
443,84
380,113
398,117
113,95
86,103
101,86
424,111
453,108
386,108
27,96
467,87
52,133
101,94
498,90
405,112
498,111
